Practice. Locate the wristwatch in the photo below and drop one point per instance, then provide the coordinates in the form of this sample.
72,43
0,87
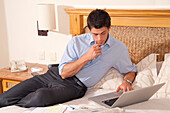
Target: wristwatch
128,81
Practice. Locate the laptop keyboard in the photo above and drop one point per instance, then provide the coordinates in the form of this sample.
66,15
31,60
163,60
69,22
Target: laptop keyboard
113,94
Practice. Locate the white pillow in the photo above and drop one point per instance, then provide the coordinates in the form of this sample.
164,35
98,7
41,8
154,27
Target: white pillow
110,81
147,72
145,77
164,76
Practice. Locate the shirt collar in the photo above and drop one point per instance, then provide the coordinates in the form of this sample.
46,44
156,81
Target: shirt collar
91,40
108,42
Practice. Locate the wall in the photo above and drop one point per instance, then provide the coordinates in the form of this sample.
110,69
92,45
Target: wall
23,42
4,56
117,3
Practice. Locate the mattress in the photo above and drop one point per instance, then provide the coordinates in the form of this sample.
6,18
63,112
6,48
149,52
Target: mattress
84,105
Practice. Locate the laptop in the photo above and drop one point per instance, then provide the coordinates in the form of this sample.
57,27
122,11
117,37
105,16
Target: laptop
120,99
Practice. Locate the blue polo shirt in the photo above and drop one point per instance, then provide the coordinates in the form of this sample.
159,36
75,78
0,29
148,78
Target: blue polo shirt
114,54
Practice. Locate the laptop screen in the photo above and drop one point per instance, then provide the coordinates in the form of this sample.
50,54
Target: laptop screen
110,102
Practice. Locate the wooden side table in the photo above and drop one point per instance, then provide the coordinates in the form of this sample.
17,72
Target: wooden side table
9,79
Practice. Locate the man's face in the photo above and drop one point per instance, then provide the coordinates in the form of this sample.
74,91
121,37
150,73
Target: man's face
100,35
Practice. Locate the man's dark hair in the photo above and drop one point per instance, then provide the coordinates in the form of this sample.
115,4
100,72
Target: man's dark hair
98,18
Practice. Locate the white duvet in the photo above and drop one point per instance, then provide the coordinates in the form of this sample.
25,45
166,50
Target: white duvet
83,105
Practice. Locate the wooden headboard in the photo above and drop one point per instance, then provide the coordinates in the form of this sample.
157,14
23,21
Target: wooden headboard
144,31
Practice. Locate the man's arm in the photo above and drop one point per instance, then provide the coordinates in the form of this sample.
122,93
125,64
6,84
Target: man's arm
73,68
126,86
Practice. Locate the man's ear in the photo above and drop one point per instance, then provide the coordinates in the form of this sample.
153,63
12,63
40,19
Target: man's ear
109,28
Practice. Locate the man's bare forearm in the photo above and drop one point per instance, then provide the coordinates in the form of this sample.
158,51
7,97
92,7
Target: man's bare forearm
130,76
72,68
126,85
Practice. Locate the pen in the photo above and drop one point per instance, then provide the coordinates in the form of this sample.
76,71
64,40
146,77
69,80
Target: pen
71,107
68,106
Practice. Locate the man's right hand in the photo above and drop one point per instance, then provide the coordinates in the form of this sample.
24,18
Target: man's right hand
93,52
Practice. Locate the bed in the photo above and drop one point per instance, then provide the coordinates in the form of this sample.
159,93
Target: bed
146,33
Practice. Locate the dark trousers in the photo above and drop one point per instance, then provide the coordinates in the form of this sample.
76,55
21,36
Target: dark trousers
44,90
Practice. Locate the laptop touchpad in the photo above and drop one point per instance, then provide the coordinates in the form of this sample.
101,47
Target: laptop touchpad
110,102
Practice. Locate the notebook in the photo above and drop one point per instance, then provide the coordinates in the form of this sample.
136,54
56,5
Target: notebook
122,99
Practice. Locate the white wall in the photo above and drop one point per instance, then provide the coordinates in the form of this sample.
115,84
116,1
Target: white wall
4,56
113,4
23,42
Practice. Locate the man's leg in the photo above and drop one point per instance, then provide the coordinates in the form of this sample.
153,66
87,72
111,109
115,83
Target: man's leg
16,93
44,90
58,93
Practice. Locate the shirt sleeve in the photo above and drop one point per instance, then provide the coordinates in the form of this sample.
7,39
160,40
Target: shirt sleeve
68,56
123,63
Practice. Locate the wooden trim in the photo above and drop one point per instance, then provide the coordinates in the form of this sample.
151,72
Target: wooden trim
140,22
4,84
124,12
76,24
1,91
121,17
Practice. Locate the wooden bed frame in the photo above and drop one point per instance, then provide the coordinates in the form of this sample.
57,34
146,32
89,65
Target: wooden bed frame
121,17
158,19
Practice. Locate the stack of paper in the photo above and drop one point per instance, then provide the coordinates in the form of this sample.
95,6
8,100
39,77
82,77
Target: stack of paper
51,109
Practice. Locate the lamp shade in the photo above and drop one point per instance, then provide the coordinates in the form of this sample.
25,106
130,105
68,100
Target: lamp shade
46,16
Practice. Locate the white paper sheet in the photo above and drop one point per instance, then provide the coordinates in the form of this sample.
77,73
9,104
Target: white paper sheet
51,109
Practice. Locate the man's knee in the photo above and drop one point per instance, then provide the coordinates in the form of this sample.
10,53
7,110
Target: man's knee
39,98
42,95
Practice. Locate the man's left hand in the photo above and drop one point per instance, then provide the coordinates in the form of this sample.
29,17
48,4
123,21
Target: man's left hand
125,86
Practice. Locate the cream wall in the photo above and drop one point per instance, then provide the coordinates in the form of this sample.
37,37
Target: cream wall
24,43
21,37
4,54
117,3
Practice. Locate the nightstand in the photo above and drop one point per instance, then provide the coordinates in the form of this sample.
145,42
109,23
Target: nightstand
9,79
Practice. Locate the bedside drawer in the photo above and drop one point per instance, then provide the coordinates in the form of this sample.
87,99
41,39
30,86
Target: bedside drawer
7,84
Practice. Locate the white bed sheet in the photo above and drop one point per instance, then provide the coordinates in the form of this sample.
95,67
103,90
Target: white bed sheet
83,105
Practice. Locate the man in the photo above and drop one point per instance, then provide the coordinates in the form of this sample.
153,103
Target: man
87,59
90,56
